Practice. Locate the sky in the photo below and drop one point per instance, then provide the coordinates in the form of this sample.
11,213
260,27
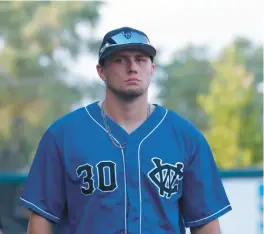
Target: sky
172,24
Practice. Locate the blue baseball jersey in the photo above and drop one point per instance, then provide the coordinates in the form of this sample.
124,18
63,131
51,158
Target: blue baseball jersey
163,181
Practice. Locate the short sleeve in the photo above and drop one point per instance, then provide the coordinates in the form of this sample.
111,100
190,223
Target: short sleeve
204,198
44,189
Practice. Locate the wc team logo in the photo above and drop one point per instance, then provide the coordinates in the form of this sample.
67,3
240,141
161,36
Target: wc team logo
166,177
127,34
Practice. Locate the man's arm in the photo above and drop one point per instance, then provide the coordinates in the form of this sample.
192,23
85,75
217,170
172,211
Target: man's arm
46,174
209,228
39,225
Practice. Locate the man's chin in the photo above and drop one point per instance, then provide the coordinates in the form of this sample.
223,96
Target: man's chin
128,94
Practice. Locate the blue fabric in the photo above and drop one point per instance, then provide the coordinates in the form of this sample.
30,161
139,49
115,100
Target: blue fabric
163,181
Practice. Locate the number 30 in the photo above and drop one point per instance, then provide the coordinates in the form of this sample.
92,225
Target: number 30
86,171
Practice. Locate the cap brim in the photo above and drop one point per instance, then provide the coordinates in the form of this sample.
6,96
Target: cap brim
147,49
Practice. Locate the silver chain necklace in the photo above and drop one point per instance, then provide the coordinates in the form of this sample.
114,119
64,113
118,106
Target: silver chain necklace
114,141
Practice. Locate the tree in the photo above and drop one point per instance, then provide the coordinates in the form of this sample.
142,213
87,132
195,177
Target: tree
187,76
231,92
250,56
39,40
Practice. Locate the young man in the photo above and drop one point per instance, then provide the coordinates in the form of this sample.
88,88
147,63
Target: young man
123,165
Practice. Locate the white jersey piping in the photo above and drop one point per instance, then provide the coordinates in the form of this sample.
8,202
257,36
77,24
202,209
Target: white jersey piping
208,216
55,217
139,168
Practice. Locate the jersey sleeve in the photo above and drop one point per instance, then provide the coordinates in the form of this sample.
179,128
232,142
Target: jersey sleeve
204,198
44,189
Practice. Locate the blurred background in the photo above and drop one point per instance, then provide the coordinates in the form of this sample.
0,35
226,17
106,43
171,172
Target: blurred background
210,71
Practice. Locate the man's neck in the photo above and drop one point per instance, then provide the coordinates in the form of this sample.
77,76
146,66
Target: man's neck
128,114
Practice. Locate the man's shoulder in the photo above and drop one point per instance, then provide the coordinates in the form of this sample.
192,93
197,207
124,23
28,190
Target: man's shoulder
183,124
180,120
69,120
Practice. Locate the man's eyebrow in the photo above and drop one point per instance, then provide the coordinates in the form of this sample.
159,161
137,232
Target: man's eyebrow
127,56
141,55
120,56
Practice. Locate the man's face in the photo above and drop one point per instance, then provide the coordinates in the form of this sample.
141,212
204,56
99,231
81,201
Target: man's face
127,73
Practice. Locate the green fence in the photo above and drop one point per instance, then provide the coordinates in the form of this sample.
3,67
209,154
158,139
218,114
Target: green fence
15,217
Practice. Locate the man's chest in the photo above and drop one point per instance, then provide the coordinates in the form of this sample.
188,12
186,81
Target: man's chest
96,164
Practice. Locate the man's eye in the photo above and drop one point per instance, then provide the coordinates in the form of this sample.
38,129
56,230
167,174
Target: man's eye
119,60
141,60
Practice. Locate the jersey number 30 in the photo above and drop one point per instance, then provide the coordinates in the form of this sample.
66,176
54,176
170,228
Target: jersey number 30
106,173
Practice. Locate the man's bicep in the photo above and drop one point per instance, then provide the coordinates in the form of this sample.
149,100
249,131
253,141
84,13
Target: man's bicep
39,225
210,228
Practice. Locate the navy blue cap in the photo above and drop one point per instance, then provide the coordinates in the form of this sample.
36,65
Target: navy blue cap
125,38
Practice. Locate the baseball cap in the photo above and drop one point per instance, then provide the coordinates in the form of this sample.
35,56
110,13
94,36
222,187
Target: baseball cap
125,38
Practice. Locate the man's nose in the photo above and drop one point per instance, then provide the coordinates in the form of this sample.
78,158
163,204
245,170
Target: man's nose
132,66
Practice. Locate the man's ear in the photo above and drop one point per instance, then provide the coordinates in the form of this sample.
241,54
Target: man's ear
100,71
153,69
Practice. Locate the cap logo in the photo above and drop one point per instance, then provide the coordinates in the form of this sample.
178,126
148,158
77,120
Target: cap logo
127,34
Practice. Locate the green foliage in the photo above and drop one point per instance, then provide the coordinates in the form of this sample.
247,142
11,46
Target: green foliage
250,56
40,39
232,131
188,75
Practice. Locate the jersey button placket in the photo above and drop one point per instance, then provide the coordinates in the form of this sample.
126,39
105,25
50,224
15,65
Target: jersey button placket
133,190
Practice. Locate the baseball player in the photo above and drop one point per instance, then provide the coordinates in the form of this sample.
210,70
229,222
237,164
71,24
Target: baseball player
122,165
